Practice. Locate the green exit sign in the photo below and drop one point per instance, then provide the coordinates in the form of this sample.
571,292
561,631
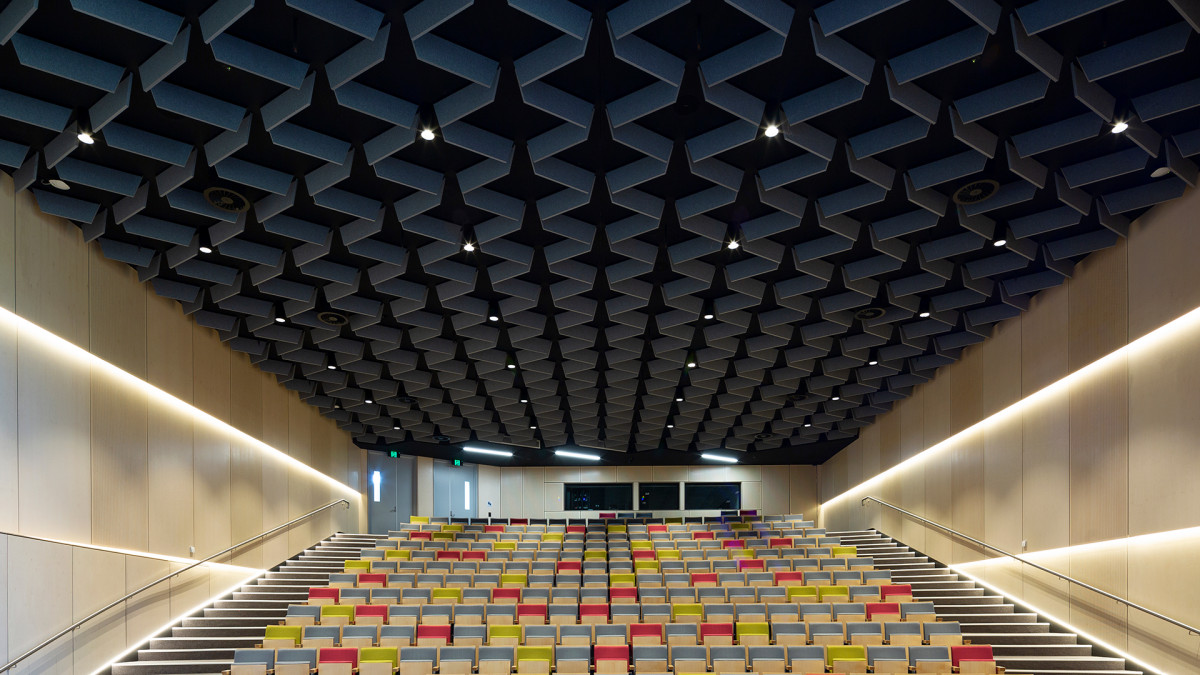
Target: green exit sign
393,453
458,462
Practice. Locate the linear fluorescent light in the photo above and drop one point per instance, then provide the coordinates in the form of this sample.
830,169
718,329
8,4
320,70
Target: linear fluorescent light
576,455
27,330
1145,344
719,458
489,451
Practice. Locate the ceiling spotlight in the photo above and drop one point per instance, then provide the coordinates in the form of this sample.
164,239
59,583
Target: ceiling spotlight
670,426
709,316
493,317
427,134
679,399
331,367
872,363
836,398
85,138
524,400
1157,173
709,312
771,131
368,401
577,455
924,315
205,249
732,245
807,425
280,319
999,242
396,427
691,360
1120,127
488,451
719,458
468,246
510,363
532,426
58,183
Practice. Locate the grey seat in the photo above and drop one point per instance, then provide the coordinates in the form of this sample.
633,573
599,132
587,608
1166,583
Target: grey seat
315,637
397,636
296,657
302,615
252,661
575,634
864,633
942,633
768,660
728,659
687,659
418,660
469,636
681,634
542,635
928,659
649,659
359,636
610,634
456,660
902,633
816,612
810,659
572,659
826,633
788,633
495,660
887,659
783,611
845,612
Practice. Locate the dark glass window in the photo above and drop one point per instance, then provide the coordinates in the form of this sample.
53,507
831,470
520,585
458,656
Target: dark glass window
658,496
598,496
712,496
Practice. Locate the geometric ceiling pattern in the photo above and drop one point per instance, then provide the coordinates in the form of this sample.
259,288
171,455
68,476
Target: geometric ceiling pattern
600,158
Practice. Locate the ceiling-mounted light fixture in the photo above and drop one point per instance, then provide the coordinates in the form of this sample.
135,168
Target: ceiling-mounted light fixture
670,426
532,426
85,138
1120,127
395,427
709,311
488,451
924,315
872,362
771,131
59,184
493,311
468,246
691,360
1157,173
836,398
524,400
205,250
719,458
732,245
368,401
331,367
427,134
510,363
807,425
280,319
999,242
577,455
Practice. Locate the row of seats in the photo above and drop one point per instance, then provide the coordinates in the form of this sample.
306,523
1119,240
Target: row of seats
616,660
602,613
568,534
686,634
572,580
782,538
496,562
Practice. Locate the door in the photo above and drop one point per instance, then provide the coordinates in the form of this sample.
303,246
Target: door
454,490
389,491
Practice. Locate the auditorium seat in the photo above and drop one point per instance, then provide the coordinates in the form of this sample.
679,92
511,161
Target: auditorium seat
495,660
295,661
252,662
918,612
456,661
302,615
728,659
803,659
316,637
279,637
944,633
887,659
359,636
846,659
929,659
337,660
767,660
324,596
973,659
573,660
397,636
903,634
418,660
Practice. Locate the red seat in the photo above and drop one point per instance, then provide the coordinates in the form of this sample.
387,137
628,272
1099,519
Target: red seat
626,592
506,594
416,536
643,555
518,521
576,529
528,609
493,528
334,594
594,609
474,555
448,555
783,578
708,630
568,566
744,565
704,578
380,579
656,528
971,653
882,609
748,512
338,655
362,611
900,590
650,630
441,634
733,543
780,542
703,535
608,516
613,653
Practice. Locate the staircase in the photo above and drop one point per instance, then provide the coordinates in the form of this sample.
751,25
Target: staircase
205,642
1021,642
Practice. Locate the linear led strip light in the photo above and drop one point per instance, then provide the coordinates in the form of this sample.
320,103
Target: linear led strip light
488,451
26,330
1146,343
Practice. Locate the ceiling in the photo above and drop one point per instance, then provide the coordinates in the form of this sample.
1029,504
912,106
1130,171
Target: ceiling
600,157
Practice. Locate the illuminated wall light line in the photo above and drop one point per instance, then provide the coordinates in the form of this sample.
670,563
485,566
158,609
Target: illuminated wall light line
176,620
124,551
84,357
1088,637
1188,321
1095,546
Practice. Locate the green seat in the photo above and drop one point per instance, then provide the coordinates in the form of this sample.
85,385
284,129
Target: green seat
293,633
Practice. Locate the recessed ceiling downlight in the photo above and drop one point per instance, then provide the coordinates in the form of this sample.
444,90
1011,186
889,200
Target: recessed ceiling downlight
59,184
227,200
333,318
976,191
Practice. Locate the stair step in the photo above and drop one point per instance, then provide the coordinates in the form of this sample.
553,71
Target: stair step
1022,638
1094,663
239,642
212,666
981,617
185,654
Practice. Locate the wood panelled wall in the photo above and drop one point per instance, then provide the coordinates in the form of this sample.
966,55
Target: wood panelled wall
537,491
1110,457
87,458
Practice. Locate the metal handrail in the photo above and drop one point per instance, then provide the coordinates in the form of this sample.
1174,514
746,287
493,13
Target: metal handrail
8,666
1123,601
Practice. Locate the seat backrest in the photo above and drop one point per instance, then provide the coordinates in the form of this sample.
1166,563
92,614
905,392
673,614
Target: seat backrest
928,655
379,655
959,654
804,659
255,656
835,653
338,655
293,633
308,656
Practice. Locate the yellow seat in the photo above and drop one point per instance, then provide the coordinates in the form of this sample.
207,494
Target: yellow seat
672,521
513,579
418,520
846,658
741,553
740,526
504,635
617,529
445,596
337,615
355,566
534,660
443,536
669,554
378,660
452,528
641,545
283,637
504,546
802,593
552,536
687,613
622,579
753,632
843,551
397,555
651,566
833,594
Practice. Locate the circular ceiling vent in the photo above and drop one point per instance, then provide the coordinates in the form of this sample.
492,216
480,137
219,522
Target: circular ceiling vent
333,318
442,438
226,200
976,191
796,397
869,313
406,399
764,436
